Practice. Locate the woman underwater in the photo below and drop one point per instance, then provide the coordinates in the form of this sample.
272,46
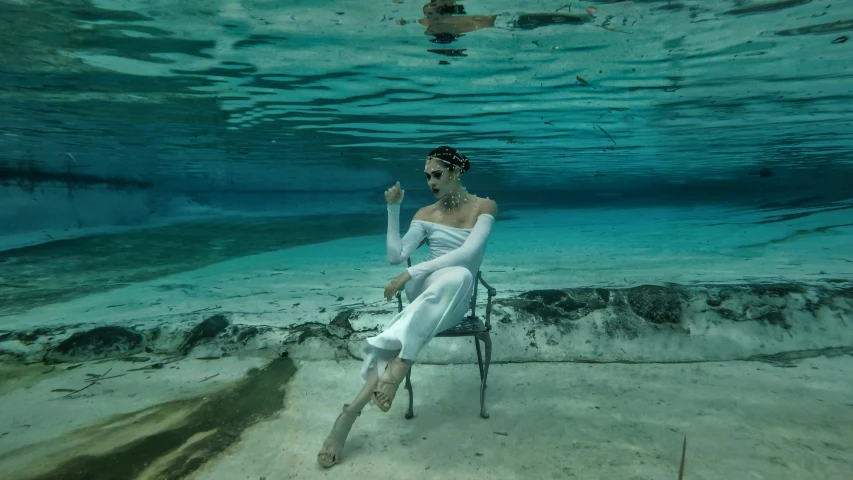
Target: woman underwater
439,289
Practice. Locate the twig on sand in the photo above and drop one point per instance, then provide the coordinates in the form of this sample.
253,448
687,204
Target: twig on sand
95,375
206,309
125,357
93,379
683,454
153,366
357,304
79,390
208,378
158,365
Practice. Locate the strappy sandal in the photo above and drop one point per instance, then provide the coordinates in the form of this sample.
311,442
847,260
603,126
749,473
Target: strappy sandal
389,389
330,453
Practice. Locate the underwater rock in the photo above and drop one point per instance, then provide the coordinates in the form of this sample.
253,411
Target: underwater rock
98,343
764,303
243,335
335,335
569,304
340,326
15,349
775,317
558,307
624,326
656,304
33,336
546,304
635,324
209,328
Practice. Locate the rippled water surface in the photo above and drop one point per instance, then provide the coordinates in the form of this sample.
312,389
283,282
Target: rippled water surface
546,95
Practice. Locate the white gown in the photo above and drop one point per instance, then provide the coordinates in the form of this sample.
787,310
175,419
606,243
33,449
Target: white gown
439,291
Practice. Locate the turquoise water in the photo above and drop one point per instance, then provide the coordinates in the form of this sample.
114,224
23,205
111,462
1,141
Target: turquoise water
686,98
195,189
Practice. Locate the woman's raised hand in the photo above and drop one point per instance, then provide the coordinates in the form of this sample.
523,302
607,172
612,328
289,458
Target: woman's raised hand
394,195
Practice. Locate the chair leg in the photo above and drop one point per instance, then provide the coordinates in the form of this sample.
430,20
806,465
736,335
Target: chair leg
487,341
410,413
479,356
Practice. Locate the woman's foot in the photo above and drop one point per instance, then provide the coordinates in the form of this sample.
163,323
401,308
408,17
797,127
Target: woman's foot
330,454
388,385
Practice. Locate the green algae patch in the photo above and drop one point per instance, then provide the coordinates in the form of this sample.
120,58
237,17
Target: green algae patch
207,430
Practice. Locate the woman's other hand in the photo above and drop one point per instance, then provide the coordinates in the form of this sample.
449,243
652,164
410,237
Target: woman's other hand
394,195
396,285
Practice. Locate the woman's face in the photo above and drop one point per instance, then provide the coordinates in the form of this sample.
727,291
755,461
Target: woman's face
438,176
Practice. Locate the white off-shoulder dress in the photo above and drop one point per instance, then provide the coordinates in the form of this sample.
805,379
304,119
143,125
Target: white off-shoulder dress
439,291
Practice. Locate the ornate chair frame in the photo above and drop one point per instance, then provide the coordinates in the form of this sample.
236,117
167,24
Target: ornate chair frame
470,326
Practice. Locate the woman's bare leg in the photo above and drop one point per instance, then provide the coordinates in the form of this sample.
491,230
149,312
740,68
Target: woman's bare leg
330,454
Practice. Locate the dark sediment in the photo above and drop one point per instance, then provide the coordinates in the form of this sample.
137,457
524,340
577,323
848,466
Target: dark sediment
224,415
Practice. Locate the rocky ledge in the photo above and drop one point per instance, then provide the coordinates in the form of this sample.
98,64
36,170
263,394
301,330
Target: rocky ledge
650,323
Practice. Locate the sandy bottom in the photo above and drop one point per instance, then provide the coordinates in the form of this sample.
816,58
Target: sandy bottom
587,421
548,420
43,422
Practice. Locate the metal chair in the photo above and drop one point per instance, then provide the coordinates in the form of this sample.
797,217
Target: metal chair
470,326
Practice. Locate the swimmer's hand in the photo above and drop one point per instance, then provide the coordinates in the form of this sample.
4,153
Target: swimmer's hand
396,285
394,195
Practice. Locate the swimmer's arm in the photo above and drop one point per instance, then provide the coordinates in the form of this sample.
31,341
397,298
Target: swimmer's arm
396,249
